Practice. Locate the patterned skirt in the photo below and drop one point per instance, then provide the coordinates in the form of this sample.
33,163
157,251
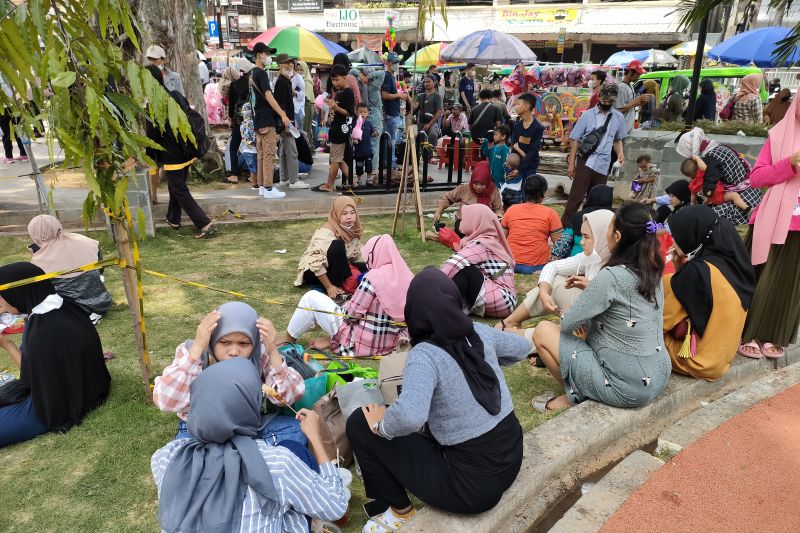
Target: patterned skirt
751,196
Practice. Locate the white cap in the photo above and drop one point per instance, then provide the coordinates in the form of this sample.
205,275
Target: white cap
155,52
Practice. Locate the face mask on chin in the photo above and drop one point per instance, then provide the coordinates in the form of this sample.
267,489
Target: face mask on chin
161,66
288,72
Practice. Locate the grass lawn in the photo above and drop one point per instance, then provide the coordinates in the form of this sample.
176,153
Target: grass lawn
97,476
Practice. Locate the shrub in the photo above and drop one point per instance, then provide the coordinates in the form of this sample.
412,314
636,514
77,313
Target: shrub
731,127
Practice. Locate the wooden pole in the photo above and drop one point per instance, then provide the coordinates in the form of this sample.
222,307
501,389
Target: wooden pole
401,192
410,160
415,190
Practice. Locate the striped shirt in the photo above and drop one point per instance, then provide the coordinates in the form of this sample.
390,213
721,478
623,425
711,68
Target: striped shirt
300,491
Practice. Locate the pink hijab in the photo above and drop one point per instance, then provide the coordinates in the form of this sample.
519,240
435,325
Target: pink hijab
58,250
388,274
749,88
479,223
775,210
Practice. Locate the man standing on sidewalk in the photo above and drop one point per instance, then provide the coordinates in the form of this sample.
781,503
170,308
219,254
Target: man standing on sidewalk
391,102
172,80
607,126
284,95
266,110
466,89
626,103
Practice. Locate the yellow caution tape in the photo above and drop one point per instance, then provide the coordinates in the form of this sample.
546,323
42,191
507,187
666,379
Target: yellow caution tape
112,261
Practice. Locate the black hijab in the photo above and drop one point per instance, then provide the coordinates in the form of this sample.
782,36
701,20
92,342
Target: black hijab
680,190
338,59
434,315
599,197
698,231
62,368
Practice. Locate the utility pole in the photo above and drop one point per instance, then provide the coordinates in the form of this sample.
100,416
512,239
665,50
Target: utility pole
219,25
698,64
269,13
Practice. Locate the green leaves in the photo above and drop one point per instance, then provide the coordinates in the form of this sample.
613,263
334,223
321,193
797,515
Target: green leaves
64,80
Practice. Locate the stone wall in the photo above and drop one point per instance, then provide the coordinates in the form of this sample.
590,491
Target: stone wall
660,145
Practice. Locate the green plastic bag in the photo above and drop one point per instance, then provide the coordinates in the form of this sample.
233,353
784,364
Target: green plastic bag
348,370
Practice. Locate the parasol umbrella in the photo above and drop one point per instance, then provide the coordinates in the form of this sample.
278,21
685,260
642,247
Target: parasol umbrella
364,56
622,58
656,58
427,56
488,47
755,46
299,42
686,49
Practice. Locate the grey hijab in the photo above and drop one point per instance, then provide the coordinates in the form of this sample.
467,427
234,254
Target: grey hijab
237,317
207,479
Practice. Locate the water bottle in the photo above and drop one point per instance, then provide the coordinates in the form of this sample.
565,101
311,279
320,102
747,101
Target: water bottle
294,131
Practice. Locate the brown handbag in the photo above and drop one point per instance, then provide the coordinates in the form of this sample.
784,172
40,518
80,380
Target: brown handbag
390,375
334,436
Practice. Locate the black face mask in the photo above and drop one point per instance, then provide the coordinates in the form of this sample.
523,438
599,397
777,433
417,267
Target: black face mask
604,107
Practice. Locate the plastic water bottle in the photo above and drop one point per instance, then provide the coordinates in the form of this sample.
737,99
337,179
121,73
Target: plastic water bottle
294,131
615,169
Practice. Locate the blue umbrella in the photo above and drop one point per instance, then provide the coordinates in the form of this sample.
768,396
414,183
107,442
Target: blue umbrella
488,47
332,47
754,46
624,57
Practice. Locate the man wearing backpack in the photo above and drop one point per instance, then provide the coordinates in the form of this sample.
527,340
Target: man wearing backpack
597,132
176,157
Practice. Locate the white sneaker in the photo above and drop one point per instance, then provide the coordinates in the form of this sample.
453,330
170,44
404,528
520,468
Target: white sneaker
274,193
385,523
261,190
299,185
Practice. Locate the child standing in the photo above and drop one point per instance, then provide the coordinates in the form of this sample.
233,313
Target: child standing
642,187
248,154
343,109
715,191
511,191
362,150
496,152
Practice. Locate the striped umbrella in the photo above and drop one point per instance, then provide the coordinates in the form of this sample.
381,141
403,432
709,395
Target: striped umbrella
427,56
299,42
488,47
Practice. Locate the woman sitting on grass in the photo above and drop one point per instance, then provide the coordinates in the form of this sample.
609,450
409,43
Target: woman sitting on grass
599,197
707,298
62,372
453,384
369,323
332,250
483,268
530,226
234,330
609,345
562,281
479,190
226,479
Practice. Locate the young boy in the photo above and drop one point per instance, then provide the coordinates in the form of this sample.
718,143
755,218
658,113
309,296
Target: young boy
362,150
343,109
527,136
496,152
248,155
642,187
696,169
511,191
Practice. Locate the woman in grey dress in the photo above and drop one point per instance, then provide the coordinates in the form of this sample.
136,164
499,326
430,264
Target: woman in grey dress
622,361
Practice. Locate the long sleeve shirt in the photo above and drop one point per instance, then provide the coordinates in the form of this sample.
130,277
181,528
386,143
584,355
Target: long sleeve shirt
577,265
315,258
171,390
300,492
767,173
463,195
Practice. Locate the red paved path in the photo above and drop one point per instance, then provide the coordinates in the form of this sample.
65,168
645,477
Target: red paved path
742,477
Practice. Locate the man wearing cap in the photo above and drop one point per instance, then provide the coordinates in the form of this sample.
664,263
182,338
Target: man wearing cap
586,172
429,108
172,80
284,96
266,110
626,103
391,102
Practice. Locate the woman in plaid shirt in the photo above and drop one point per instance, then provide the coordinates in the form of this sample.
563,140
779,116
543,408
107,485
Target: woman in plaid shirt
233,330
747,106
483,269
372,321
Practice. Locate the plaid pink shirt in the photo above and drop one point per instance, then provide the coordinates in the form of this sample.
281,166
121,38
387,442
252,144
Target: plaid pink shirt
372,332
171,391
499,296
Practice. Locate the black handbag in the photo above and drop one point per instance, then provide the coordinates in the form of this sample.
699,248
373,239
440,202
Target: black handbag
592,140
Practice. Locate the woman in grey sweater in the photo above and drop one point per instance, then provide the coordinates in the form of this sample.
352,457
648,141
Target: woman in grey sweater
451,438
610,344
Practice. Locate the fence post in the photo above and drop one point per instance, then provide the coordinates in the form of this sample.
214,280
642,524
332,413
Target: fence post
421,139
384,160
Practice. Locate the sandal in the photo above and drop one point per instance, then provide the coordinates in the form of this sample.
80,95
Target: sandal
206,233
319,188
540,402
173,226
758,353
777,351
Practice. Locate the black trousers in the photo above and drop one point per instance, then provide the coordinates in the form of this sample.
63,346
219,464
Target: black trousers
338,266
585,178
469,281
236,141
438,475
181,199
8,146
363,163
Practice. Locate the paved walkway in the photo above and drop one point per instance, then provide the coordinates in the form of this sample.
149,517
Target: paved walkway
743,476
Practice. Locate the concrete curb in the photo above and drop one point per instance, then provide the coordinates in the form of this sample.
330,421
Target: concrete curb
580,441
687,430
595,507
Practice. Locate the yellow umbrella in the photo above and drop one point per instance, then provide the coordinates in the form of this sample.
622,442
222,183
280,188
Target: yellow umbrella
688,48
427,56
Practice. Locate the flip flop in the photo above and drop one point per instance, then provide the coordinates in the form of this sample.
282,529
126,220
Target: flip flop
752,344
207,233
319,188
540,402
779,351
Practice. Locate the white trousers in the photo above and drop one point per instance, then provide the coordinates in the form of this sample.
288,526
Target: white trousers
303,321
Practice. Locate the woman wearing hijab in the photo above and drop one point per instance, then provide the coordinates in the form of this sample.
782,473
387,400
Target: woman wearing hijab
333,249
570,243
647,113
224,479
777,108
452,383
706,106
774,315
677,195
372,321
57,251
732,171
234,330
480,190
706,300
747,102
673,101
62,372
483,267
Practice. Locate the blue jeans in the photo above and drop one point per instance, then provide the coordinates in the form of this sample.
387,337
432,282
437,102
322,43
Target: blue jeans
19,423
278,430
393,127
527,269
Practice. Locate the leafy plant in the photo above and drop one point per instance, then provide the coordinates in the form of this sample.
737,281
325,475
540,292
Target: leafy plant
731,127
